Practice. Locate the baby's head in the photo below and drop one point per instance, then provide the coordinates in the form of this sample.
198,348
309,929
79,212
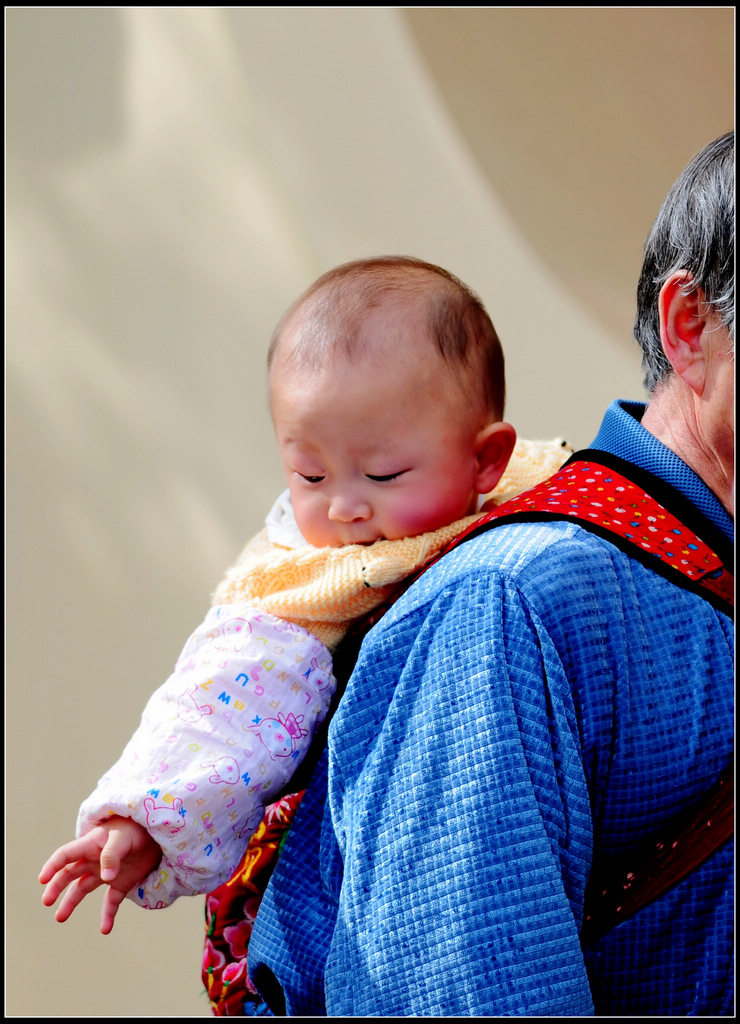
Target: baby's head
386,393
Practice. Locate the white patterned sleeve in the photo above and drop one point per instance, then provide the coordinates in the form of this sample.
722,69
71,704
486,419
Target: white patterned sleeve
217,742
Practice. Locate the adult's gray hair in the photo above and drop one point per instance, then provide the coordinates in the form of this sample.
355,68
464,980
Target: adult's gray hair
694,231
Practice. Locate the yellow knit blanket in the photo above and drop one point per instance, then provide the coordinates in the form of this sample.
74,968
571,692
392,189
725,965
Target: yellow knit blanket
325,589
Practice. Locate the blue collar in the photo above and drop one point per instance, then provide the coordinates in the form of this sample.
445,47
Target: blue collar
622,434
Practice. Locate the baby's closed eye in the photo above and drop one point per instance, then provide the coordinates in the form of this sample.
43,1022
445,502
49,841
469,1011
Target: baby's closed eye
386,477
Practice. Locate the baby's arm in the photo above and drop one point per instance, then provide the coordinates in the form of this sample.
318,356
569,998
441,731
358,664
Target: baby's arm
216,744
118,853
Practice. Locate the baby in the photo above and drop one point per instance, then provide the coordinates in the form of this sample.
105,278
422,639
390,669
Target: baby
386,383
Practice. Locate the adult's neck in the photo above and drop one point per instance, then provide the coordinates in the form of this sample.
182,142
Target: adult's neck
676,418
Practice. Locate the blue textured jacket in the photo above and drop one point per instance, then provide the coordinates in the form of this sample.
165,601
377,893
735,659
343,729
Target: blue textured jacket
537,700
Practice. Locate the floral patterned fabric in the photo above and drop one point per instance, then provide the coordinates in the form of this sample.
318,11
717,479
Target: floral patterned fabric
230,913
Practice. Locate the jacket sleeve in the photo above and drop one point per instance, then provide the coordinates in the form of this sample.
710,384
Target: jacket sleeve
216,744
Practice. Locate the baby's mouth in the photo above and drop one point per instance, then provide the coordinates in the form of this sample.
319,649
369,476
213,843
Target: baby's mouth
362,543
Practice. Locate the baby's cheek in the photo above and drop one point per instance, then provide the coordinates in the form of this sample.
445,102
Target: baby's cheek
408,516
303,512
312,520
438,509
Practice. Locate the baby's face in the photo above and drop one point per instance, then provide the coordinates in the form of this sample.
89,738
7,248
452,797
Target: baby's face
375,450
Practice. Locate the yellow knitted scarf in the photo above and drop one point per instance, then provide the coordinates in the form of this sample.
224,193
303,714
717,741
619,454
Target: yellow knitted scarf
325,589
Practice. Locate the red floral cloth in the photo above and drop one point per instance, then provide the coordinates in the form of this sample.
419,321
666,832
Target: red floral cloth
230,914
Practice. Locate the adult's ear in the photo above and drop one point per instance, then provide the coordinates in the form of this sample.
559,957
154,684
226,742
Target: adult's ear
684,318
494,445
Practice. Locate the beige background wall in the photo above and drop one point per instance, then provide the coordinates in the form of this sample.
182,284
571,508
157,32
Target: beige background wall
174,178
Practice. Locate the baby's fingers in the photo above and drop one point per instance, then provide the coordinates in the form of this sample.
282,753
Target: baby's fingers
117,845
77,850
58,882
112,900
75,894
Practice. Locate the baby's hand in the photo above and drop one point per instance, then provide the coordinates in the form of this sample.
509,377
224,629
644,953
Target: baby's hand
118,853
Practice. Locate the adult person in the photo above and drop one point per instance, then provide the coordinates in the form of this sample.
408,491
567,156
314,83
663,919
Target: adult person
540,703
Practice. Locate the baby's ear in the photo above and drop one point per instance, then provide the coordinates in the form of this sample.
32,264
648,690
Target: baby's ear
493,447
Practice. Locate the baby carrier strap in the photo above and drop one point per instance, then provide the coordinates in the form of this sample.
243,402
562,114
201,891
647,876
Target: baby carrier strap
652,522
642,515
617,891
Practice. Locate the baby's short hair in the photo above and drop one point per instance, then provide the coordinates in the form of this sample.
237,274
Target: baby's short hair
339,301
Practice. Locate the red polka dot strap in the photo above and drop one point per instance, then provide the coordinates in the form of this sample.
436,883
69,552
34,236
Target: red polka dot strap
603,499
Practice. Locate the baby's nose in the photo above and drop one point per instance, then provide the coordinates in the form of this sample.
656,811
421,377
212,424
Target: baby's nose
345,509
